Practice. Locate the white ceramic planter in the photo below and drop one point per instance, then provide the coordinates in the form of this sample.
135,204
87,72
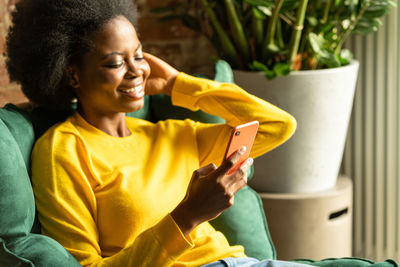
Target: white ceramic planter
321,101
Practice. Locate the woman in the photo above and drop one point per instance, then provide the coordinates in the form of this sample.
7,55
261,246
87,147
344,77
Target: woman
119,191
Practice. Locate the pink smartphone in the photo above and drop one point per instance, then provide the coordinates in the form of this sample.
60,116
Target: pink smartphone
242,135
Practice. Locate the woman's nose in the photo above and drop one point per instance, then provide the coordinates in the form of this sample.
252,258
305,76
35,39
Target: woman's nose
134,70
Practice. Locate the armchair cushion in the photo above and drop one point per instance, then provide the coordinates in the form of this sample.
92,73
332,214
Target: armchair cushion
245,224
347,262
17,207
18,246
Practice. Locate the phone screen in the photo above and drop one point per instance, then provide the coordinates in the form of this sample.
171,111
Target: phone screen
242,135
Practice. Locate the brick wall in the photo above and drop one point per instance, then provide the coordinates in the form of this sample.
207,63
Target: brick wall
179,46
9,92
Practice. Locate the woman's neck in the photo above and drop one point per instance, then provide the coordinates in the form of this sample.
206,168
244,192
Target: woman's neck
113,124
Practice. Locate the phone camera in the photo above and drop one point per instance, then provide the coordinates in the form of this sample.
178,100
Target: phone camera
237,133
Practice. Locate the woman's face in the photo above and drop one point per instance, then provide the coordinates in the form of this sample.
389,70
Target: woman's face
111,78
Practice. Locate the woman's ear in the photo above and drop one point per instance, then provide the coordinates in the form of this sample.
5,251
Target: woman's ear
72,77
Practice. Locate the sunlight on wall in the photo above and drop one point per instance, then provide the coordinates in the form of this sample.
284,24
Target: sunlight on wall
372,153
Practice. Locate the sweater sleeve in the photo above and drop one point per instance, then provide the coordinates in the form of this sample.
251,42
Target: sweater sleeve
236,106
66,203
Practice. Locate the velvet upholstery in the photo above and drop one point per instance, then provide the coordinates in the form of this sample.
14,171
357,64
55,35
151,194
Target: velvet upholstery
18,246
348,262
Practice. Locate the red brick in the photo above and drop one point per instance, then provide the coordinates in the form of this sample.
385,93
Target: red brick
141,5
4,80
166,52
157,3
180,55
13,95
2,41
151,30
12,2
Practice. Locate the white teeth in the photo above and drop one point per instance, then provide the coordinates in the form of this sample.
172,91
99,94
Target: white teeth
131,90
135,89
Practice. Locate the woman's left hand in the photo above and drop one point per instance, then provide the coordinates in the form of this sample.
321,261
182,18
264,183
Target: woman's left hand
162,77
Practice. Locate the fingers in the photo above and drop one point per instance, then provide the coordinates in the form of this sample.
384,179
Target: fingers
162,77
230,162
203,171
238,179
232,183
158,66
152,60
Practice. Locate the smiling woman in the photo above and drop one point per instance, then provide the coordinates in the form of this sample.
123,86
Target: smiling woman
110,78
119,191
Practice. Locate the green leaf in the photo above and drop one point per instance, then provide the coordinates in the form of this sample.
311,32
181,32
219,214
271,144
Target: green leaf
345,57
260,14
265,10
289,5
282,69
337,3
273,48
313,21
330,60
258,66
326,27
346,24
377,13
257,3
270,75
325,56
366,26
191,22
377,9
351,4
331,37
316,42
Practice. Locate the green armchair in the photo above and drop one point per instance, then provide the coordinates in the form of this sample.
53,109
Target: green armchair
20,240
21,243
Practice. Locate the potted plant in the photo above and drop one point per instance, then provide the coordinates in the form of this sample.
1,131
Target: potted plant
291,53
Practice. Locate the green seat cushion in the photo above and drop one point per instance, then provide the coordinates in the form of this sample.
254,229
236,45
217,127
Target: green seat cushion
17,207
347,262
245,224
19,247
20,127
35,250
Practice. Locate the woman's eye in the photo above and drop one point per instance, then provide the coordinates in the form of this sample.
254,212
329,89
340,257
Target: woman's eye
114,66
139,55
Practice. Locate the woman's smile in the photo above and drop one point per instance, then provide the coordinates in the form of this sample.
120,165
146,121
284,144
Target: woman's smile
136,92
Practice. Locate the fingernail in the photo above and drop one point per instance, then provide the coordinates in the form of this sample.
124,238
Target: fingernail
242,149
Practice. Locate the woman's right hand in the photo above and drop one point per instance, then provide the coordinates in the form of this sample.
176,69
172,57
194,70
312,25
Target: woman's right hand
211,191
162,76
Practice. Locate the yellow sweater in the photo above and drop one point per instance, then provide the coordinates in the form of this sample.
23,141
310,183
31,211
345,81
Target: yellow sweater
107,199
